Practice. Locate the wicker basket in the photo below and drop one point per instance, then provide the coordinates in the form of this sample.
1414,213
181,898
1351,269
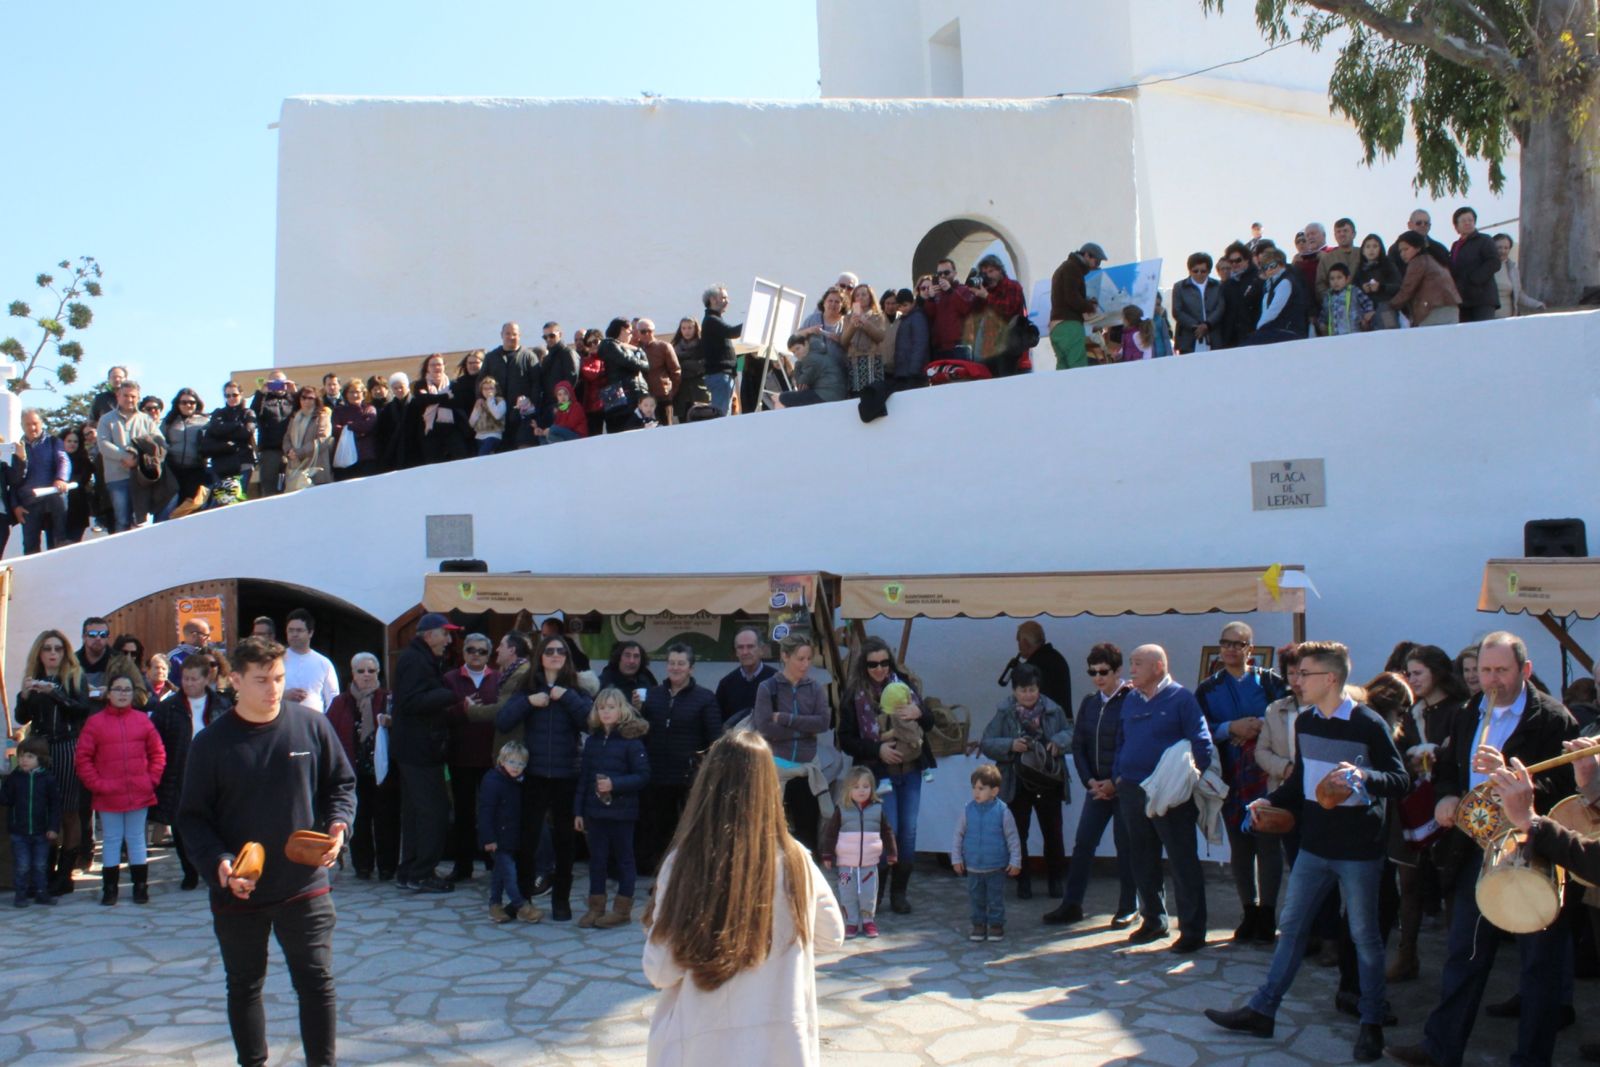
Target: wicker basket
951,725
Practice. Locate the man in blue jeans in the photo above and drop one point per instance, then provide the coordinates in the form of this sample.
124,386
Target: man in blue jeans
115,435
716,348
1094,749
1350,746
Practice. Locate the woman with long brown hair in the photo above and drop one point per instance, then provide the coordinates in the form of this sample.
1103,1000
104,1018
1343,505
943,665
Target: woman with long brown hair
54,704
738,912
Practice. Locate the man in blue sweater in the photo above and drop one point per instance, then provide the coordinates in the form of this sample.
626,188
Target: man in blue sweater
1156,715
1341,845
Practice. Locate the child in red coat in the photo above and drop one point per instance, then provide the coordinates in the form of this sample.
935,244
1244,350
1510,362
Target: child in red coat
119,759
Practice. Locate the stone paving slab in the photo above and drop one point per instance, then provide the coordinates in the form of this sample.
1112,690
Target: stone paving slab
427,979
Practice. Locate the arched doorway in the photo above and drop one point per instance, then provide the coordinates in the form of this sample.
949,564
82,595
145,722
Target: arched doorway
966,241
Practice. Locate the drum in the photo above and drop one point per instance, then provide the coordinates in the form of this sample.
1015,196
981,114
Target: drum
1518,891
1480,816
1576,815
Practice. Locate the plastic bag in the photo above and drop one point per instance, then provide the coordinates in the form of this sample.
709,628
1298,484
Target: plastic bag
380,755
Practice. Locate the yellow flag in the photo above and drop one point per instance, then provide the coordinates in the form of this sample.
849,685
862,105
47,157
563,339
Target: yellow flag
1270,578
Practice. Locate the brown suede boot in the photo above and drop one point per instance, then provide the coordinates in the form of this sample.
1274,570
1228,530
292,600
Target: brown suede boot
621,914
1405,966
597,908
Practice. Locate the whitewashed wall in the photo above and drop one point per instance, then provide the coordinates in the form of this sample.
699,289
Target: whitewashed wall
421,225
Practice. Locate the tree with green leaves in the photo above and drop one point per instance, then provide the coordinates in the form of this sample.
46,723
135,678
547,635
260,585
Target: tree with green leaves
72,411
1466,77
82,283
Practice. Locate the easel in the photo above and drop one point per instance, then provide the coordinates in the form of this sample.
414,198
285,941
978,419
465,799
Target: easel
774,310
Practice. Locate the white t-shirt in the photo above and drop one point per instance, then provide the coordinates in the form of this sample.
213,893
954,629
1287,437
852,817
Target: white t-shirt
197,708
313,672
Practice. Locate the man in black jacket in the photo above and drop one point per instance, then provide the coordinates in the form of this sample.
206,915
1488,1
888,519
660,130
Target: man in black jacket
419,739
560,364
257,774
273,406
716,348
1473,264
515,370
1509,719
1421,224
229,439
1055,677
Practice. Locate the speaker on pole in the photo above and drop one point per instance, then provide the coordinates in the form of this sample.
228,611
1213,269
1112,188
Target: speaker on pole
463,566
1554,537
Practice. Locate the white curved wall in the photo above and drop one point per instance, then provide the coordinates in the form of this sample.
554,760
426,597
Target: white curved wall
421,225
1437,449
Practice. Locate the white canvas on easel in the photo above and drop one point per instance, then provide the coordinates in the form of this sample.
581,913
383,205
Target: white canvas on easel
774,314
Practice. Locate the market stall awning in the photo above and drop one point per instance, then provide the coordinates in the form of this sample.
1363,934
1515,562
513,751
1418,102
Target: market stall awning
1560,587
1154,592
608,594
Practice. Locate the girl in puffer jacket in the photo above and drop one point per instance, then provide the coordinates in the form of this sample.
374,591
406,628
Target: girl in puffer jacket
120,759
614,771
855,839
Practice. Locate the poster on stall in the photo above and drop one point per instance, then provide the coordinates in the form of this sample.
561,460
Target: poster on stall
789,606
208,608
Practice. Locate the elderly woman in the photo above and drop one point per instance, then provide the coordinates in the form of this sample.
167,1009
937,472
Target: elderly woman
1427,293
791,709
1508,280
305,443
54,704
358,418
158,673
356,715
1235,701
862,737
1026,726
390,430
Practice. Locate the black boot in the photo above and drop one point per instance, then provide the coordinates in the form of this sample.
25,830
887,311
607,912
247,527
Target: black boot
61,876
560,905
109,876
899,880
1057,888
1369,1044
141,882
1247,925
1024,884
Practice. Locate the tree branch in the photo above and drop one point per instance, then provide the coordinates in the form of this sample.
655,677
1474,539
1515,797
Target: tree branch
1490,28
1491,59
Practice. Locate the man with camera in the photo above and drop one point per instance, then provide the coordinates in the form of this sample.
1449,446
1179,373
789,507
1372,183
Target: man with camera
273,405
952,300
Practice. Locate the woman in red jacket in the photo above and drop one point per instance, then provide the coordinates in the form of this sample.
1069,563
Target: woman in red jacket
120,760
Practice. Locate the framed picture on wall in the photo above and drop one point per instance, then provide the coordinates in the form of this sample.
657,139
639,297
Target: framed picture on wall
1211,659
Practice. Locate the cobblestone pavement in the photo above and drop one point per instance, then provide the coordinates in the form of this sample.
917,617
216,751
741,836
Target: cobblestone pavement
426,979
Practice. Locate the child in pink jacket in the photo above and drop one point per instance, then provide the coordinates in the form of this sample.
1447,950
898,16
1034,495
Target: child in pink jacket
119,759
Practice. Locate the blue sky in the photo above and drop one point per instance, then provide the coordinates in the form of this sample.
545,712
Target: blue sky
138,133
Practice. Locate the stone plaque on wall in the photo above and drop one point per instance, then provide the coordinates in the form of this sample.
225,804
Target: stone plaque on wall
1278,484
449,536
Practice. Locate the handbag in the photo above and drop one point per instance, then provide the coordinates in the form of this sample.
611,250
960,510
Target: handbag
613,398
949,734
345,453
1040,771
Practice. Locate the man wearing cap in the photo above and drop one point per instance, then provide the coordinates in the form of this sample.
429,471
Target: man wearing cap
1070,305
419,744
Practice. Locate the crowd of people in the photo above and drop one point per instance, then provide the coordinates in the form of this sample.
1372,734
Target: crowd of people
495,756
135,461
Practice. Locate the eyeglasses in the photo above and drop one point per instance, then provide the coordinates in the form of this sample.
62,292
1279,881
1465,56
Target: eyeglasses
557,652
51,648
475,651
97,633
186,400
1100,672
1235,644
877,664
946,273
366,670
552,336
1235,259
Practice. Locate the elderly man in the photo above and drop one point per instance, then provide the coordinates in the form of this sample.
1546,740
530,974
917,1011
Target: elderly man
196,635
39,473
716,348
1421,224
1157,715
1070,306
664,374
1509,719
116,433
1055,677
420,739
1316,240
736,692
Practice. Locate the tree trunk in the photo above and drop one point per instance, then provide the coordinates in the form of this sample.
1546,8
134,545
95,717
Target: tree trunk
1560,226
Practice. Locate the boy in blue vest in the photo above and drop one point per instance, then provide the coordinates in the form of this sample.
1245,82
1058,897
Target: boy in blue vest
987,850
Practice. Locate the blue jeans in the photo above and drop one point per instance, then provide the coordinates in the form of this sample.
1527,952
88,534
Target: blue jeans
561,433
986,894
119,826
1310,882
1175,832
488,446
503,879
1469,957
121,494
29,855
900,808
721,389
45,520
1091,828
611,839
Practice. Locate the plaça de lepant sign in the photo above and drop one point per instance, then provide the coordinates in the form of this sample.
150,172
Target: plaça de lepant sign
1278,484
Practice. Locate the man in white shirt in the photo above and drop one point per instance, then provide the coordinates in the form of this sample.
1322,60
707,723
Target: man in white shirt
309,677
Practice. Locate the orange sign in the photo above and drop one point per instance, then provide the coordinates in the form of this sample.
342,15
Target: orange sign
208,608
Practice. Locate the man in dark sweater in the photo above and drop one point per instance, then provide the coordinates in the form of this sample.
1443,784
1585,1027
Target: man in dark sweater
419,741
716,348
1474,261
1509,719
1055,677
1342,845
259,773
515,370
736,693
